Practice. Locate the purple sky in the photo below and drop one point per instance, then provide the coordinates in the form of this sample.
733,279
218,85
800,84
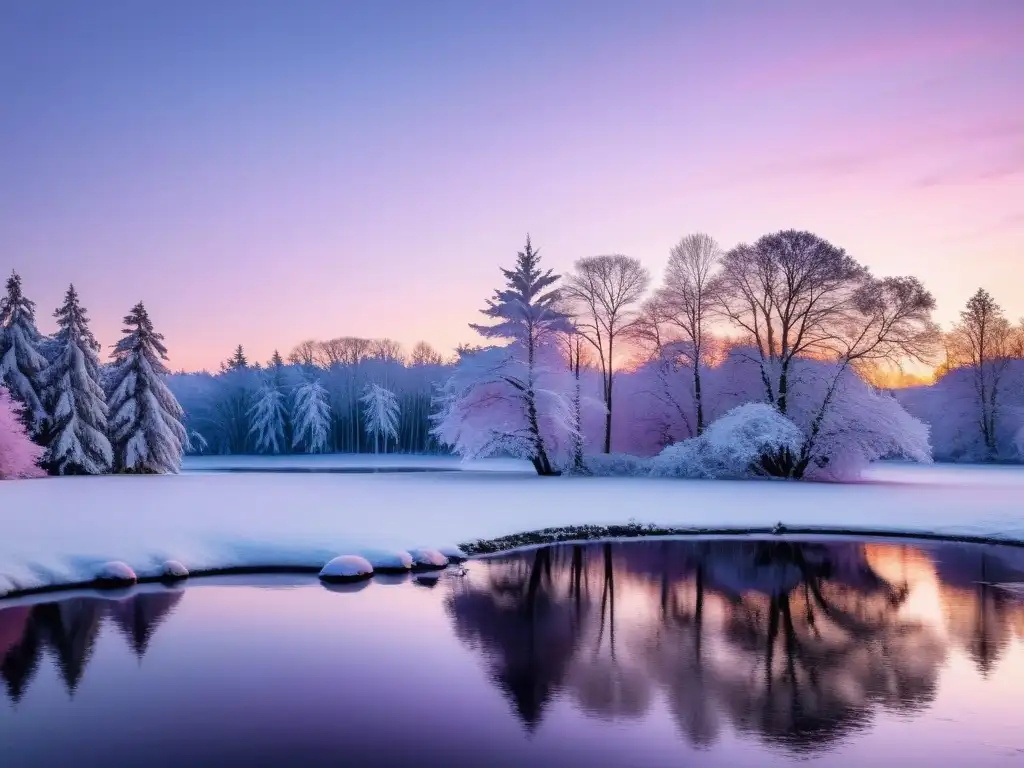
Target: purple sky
261,172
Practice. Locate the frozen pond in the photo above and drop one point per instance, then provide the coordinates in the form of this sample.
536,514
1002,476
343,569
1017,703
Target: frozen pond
734,652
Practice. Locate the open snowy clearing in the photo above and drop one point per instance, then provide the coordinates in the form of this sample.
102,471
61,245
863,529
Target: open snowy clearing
62,530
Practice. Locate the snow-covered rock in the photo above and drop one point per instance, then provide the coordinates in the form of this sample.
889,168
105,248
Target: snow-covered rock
172,570
453,553
424,557
115,574
347,568
388,560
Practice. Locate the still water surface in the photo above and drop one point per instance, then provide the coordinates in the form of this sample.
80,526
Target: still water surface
643,653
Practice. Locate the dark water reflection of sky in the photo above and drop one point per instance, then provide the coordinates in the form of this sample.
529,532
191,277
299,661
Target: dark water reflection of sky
706,653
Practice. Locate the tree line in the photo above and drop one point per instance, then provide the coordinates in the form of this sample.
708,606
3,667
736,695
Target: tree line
790,320
346,395
599,361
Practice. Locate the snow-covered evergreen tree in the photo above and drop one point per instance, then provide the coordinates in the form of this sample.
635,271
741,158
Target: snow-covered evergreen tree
268,416
237,362
21,358
521,376
381,415
311,414
276,364
76,435
145,418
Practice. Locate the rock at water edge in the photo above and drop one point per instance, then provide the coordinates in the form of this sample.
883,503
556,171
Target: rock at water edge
388,561
428,558
347,568
115,574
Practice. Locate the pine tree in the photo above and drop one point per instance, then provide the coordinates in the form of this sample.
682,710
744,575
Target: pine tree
311,412
237,362
381,415
276,362
519,375
76,439
268,416
21,360
145,418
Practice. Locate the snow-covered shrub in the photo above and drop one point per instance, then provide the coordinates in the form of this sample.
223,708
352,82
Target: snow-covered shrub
19,456
862,425
616,465
750,440
845,422
499,402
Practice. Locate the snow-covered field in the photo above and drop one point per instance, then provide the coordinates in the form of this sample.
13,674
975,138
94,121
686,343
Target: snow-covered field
61,530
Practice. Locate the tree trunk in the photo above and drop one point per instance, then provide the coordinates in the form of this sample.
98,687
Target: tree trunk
697,397
608,403
783,388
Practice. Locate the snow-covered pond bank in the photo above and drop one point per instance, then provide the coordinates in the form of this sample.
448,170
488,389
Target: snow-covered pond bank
60,530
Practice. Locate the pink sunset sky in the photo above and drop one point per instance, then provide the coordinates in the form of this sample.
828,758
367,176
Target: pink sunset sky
262,172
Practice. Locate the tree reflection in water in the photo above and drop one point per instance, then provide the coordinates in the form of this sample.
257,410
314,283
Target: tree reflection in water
68,629
796,642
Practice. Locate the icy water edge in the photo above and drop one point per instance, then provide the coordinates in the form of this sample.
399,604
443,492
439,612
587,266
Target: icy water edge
716,652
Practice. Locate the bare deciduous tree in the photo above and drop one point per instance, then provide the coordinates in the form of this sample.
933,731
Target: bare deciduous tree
304,353
424,354
984,341
387,350
606,292
797,295
685,303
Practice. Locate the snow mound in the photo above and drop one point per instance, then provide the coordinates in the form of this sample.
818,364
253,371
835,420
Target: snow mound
172,569
453,553
747,441
388,560
116,573
347,568
428,558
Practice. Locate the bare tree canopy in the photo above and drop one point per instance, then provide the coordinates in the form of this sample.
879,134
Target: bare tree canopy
684,304
794,294
984,340
304,353
387,350
424,354
606,292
